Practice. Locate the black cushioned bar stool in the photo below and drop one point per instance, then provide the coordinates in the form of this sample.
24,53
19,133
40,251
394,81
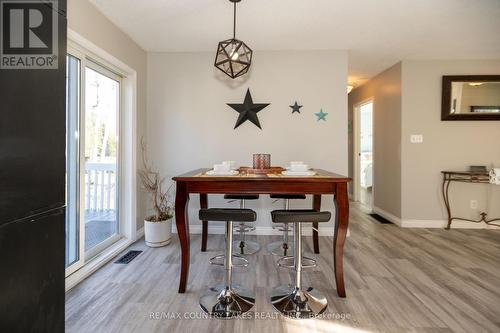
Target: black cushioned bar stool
284,247
293,300
242,245
227,300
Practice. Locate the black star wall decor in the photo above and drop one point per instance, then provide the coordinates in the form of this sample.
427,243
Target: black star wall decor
248,110
296,107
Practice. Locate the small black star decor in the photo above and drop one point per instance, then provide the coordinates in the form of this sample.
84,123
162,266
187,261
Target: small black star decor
248,111
296,107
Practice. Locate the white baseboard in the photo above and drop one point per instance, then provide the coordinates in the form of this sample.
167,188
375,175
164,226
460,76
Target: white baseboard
139,234
393,218
423,224
260,230
440,224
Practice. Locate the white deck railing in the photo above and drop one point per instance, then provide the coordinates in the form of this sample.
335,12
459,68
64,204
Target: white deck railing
100,186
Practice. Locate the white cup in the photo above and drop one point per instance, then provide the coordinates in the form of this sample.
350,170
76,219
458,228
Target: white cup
230,164
221,168
299,167
296,163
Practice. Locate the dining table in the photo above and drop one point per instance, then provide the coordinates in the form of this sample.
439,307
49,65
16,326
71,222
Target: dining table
322,182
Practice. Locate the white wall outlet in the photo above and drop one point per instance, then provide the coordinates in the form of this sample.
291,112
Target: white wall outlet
416,138
473,204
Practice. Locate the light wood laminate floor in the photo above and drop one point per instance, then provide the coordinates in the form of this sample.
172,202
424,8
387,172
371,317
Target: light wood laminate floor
397,280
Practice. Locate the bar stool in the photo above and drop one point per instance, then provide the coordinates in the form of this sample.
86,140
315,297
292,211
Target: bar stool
293,300
243,246
227,301
283,248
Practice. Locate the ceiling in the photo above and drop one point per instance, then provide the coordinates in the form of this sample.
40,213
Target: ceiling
377,33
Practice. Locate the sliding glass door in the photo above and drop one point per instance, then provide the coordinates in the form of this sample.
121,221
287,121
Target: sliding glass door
92,159
102,96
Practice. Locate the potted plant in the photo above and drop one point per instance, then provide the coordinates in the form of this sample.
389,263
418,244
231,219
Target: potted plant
158,226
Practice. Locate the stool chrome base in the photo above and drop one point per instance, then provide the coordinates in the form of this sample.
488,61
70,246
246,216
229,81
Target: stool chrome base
224,303
298,303
245,247
278,248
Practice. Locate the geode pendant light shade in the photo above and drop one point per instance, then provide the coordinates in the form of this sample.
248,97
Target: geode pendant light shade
234,57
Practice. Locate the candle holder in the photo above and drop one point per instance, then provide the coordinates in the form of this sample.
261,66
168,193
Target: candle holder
261,161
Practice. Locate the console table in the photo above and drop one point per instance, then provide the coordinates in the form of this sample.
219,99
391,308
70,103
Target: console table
477,177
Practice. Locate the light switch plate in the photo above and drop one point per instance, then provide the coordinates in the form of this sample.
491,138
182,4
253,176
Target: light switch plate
416,138
473,204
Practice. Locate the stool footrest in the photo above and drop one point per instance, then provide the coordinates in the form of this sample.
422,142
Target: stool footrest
287,229
243,228
282,227
218,260
288,262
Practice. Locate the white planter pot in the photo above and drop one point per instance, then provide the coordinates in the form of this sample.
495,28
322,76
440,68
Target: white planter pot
157,234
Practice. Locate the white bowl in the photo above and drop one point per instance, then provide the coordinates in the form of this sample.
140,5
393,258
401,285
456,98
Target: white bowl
230,164
221,168
299,167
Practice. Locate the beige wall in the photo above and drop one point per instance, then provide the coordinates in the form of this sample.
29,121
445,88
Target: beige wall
448,145
385,89
407,178
190,125
87,21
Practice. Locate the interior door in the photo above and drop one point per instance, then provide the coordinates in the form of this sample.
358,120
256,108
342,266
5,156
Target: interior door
363,153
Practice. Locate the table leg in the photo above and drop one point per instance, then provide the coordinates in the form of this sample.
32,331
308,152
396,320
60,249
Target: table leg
341,202
204,228
316,207
446,198
182,223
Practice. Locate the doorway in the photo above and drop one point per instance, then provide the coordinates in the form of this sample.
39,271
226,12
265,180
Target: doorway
363,153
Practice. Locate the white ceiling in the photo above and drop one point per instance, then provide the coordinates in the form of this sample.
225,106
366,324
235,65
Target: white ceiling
377,33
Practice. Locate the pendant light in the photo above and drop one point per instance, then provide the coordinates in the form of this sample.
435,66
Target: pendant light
233,57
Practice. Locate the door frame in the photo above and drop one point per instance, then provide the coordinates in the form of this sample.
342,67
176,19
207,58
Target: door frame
91,61
357,149
80,139
128,134
84,49
128,140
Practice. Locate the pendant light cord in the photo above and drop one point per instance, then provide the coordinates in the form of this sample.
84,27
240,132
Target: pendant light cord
234,21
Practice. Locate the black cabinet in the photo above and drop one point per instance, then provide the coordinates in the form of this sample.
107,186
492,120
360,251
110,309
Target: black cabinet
32,190
32,136
32,274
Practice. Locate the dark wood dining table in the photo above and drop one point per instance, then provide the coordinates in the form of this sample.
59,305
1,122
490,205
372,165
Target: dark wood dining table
323,182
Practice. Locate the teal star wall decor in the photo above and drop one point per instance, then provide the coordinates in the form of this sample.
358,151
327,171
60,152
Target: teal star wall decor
321,115
296,107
